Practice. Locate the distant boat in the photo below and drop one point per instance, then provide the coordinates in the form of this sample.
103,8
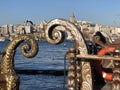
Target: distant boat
2,38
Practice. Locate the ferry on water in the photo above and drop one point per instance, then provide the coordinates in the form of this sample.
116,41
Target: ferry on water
2,38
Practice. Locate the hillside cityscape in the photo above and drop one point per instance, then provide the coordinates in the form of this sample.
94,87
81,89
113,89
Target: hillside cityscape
8,32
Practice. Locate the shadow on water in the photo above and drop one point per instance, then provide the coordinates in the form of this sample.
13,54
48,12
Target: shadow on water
42,82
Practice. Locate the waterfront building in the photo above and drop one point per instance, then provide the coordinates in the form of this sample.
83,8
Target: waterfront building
4,30
0,30
11,28
28,27
86,27
72,18
118,30
42,25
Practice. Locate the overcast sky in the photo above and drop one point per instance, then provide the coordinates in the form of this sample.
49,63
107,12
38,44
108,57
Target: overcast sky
106,12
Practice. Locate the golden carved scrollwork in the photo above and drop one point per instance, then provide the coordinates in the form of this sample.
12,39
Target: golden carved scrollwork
56,37
8,78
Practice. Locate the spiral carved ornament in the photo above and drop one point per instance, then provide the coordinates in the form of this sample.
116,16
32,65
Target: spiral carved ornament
56,37
8,78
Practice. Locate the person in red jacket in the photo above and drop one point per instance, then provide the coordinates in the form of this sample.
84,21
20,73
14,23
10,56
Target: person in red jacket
104,67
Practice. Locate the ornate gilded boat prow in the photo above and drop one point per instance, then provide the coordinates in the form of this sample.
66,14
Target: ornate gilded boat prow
8,78
79,76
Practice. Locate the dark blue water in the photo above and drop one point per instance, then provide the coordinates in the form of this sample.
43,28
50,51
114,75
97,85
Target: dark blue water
49,57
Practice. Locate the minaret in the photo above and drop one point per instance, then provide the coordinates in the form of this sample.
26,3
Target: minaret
72,18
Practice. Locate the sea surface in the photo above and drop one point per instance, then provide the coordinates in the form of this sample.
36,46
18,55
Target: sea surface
49,57
46,70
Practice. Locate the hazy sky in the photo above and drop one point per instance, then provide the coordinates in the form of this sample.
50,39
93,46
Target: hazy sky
106,12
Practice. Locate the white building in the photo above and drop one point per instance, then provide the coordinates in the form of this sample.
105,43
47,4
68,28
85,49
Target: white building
28,29
4,29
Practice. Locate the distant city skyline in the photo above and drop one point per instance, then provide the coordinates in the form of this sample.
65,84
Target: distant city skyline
106,12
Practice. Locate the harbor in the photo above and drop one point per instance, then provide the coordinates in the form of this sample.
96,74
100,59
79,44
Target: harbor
42,71
81,54
53,45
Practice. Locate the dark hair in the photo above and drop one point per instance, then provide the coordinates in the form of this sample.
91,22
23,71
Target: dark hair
102,38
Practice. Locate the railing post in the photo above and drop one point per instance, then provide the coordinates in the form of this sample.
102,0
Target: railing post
74,72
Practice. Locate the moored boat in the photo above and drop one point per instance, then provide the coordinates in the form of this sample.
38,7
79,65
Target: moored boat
2,38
